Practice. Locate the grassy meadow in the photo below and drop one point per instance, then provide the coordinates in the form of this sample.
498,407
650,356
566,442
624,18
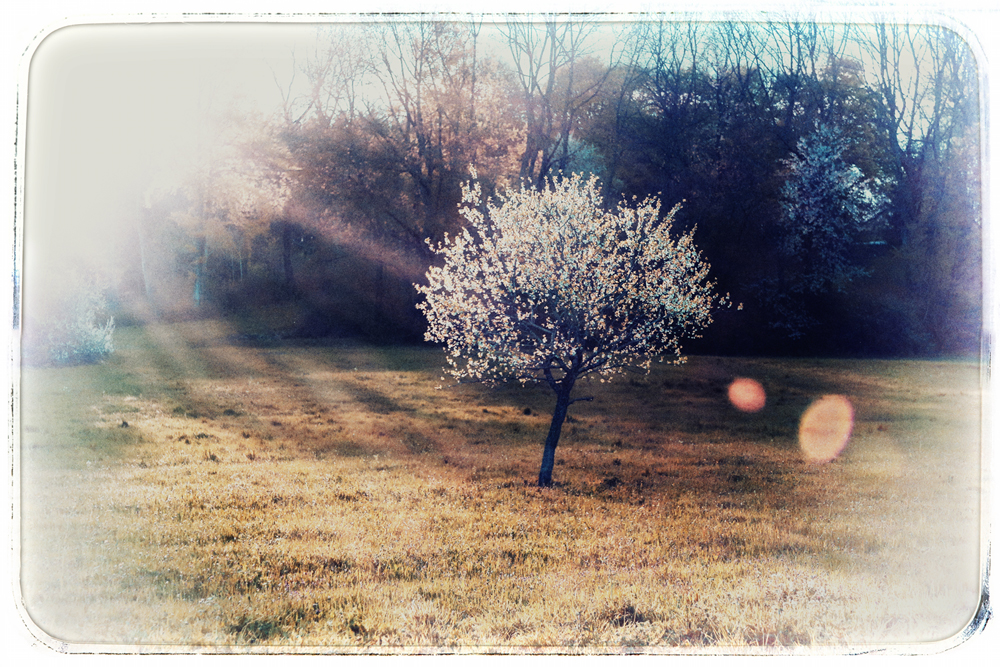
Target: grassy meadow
201,489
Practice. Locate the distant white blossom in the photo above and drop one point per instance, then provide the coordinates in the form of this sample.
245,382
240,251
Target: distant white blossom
828,206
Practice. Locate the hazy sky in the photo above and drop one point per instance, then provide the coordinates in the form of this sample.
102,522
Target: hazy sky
111,106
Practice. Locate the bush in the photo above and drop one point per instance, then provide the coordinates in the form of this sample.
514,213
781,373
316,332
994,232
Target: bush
73,328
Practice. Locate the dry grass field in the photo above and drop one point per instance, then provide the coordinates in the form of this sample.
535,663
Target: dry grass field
197,490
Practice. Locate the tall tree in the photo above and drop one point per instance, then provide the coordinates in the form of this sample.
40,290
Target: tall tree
394,157
558,79
336,72
926,80
238,187
828,207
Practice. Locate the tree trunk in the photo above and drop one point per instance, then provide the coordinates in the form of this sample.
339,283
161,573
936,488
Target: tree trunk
558,417
286,253
140,220
199,272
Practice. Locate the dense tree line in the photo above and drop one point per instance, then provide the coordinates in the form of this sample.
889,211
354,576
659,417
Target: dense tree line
829,173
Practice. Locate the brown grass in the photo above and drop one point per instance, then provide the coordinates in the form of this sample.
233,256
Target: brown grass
197,491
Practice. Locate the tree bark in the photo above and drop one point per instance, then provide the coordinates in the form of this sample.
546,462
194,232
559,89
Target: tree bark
286,253
143,268
199,272
558,417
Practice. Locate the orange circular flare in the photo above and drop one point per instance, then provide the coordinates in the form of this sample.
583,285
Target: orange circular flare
747,395
825,428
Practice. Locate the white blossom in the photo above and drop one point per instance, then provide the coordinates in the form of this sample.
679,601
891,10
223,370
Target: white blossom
828,206
548,285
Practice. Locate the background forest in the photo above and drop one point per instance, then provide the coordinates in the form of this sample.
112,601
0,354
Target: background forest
831,174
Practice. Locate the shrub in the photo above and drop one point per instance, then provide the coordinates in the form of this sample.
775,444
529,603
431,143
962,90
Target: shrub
74,327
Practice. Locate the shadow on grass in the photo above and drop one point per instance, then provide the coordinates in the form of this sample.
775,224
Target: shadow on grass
374,400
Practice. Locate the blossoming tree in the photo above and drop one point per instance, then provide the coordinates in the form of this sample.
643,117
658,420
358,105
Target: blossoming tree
547,286
829,209
829,205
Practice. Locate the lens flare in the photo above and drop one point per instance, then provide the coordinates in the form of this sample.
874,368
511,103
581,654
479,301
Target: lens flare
825,428
747,395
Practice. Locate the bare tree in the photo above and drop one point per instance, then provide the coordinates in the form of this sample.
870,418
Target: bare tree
336,72
557,81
